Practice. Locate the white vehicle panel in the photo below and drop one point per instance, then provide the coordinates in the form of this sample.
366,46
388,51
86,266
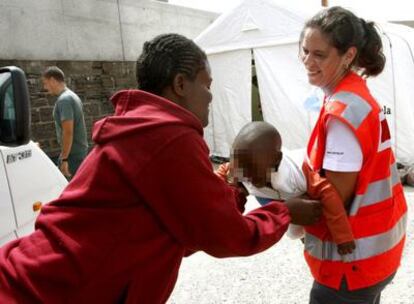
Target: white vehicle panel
7,238
7,220
26,228
32,177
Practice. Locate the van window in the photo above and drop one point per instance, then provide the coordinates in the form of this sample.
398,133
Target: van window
7,109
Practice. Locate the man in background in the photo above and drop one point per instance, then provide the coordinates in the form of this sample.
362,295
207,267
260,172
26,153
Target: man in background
69,122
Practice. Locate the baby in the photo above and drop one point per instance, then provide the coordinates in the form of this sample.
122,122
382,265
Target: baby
258,162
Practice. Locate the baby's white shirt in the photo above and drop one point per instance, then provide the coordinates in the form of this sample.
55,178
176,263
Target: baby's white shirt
288,181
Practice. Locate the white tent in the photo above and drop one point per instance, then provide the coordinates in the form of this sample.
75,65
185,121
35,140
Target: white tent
269,34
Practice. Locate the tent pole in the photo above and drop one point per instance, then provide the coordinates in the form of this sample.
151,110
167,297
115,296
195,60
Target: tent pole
393,95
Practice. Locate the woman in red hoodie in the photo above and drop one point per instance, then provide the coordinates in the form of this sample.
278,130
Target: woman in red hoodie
144,198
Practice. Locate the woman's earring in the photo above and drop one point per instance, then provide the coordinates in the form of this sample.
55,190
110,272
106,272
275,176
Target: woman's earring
346,66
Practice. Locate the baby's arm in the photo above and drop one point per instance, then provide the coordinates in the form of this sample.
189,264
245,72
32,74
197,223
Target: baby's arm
223,171
319,187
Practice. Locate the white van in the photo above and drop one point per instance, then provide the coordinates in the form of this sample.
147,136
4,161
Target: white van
28,178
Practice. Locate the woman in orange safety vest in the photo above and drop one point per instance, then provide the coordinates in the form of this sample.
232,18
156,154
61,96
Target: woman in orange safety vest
351,146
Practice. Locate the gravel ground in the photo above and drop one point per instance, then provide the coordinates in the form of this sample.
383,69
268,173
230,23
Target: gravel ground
278,275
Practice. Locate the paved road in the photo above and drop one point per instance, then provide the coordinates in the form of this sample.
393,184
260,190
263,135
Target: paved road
278,275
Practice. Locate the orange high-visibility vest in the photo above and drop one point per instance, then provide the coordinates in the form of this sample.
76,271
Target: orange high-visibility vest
378,212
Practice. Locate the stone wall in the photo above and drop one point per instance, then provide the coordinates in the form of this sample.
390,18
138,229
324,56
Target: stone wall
93,81
95,42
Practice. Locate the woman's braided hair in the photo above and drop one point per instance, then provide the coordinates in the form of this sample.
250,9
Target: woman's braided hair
163,58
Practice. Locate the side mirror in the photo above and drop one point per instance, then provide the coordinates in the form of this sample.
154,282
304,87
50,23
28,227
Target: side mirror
14,107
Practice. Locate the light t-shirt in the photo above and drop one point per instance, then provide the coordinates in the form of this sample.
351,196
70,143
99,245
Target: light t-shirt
287,182
68,106
342,151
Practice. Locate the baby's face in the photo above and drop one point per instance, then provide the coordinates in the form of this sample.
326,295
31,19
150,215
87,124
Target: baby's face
255,166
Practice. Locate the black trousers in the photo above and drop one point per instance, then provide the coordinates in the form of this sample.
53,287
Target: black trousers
321,294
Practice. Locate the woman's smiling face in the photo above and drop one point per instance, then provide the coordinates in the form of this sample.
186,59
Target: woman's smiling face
324,65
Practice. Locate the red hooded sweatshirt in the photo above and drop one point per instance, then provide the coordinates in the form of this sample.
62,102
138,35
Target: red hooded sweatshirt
144,196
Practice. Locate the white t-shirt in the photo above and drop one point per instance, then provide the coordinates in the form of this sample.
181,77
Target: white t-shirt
289,180
342,151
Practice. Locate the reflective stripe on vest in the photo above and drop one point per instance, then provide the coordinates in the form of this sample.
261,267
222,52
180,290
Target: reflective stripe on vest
357,108
376,192
365,247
